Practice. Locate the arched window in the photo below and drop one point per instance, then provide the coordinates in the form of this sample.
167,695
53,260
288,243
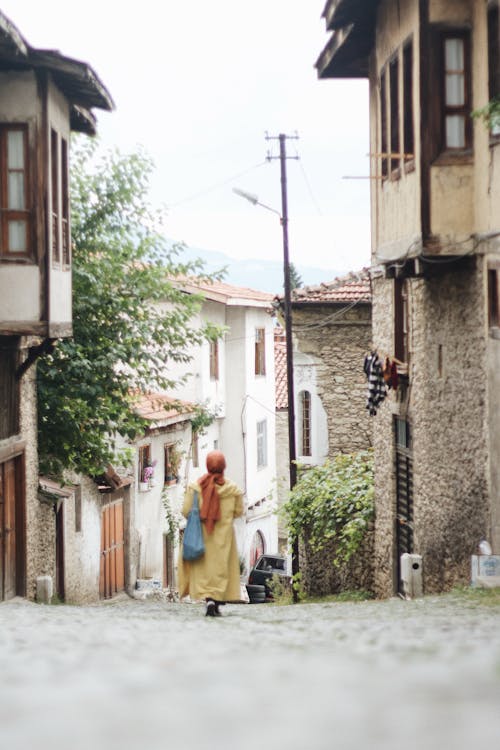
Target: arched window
305,423
258,547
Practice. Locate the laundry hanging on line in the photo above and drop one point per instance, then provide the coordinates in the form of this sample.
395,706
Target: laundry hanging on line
377,389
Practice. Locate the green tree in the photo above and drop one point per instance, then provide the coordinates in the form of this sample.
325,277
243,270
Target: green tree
334,501
295,278
129,316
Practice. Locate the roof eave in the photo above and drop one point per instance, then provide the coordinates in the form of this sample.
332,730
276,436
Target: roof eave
345,56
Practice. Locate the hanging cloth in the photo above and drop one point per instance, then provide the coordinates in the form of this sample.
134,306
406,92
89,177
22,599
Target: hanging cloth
377,389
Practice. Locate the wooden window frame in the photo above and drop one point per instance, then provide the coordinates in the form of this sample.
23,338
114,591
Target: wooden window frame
305,423
408,112
384,143
169,478
493,21
65,218
7,214
54,198
493,297
260,351
401,320
9,387
394,117
214,359
144,459
459,110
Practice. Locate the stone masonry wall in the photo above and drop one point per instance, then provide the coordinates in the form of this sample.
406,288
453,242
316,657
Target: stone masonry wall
40,520
446,410
339,346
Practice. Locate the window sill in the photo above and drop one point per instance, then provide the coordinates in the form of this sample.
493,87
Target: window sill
454,158
21,259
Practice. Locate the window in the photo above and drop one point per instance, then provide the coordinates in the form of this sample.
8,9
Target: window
214,360
54,160
494,58
400,320
383,123
195,450
261,443
66,244
260,351
15,214
59,201
457,132
9,387
171,463
394,112
408,129
144,460
305,422
493,298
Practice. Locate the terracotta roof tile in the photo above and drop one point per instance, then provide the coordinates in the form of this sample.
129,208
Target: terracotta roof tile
280,368
355,287
158,407
227,293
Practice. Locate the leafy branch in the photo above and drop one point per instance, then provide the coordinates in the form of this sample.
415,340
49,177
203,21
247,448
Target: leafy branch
333,502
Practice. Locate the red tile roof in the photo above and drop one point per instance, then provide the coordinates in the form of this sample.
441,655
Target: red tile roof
280,368
355,287
219,291
160,408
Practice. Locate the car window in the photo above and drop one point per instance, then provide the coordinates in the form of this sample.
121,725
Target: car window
270,563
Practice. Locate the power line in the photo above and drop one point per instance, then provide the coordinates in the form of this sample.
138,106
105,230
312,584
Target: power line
216,186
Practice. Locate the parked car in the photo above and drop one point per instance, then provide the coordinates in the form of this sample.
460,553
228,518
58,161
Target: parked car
265,567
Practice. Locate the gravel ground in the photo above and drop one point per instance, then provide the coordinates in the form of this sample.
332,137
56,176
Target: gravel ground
129,674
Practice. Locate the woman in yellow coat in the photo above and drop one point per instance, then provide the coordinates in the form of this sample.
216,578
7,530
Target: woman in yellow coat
215,576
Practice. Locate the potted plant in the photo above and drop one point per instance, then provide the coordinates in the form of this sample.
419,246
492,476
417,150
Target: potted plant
173,465
147,480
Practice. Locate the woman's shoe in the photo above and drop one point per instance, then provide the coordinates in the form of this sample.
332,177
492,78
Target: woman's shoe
211,609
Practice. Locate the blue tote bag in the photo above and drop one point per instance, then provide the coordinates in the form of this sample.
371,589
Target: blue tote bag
193,546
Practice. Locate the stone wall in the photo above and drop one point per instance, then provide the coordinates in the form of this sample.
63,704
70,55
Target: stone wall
321,577
339,343
40,519
445,406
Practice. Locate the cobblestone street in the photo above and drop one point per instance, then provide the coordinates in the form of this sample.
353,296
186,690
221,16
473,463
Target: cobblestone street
130,674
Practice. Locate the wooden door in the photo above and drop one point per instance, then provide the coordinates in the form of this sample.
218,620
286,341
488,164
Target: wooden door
60,589
8,534
112,572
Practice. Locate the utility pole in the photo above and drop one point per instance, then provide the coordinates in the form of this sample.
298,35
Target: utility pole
282,138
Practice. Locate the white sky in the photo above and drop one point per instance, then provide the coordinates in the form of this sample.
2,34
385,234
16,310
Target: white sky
198,83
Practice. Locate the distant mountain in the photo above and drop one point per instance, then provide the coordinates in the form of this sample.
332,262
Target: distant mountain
262,275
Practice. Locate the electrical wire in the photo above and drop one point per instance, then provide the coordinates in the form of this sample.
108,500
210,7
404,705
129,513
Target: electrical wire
216,186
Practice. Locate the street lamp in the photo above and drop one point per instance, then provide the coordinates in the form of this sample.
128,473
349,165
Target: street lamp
288,331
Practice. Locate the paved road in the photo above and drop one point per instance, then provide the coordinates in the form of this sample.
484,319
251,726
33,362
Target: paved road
125,675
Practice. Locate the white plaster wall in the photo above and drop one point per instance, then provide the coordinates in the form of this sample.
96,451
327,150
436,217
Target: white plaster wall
82,549
15,306
150,517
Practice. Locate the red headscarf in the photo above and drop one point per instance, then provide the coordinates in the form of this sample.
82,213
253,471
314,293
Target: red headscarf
210,506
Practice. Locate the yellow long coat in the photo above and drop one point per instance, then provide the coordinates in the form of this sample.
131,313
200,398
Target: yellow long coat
216,575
